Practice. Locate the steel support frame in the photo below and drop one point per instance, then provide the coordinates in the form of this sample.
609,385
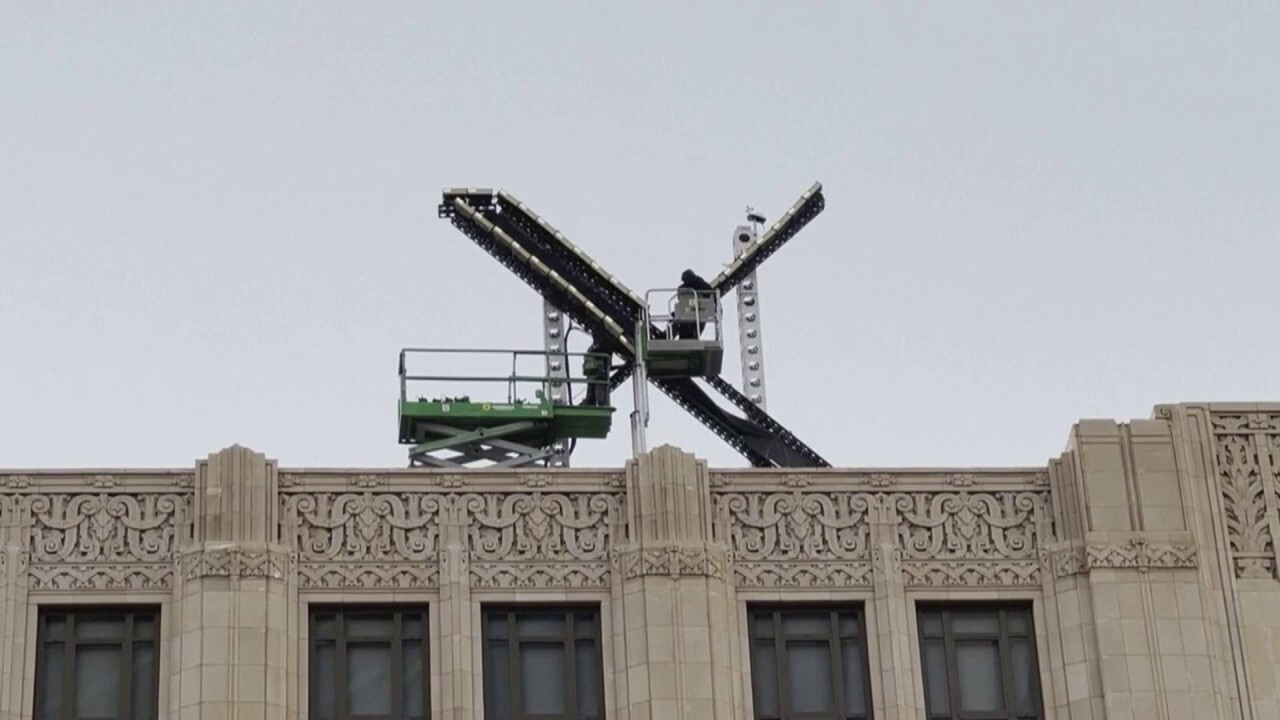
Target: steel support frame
558,270
554,336
750,332
476,446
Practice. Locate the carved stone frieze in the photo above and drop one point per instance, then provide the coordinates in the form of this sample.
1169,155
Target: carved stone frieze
1142,555
968,525
1006,573
1137,554
968,538
365,526
104,528
790,526
368,576
802,574
235,561
1248,474
539,539
537,526
673,561
117,576
539,575
380,540
102,541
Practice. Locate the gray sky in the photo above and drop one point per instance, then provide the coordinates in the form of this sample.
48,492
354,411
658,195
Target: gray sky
218,220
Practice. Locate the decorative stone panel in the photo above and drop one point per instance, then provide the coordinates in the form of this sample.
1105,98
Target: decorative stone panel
963,529
1246,458
108,539
386,531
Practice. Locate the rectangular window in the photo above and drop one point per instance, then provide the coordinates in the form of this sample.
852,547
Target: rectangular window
97,664
369,663
809,662
542,662
979,662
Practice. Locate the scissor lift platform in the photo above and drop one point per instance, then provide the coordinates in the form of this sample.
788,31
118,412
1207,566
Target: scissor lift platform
507,433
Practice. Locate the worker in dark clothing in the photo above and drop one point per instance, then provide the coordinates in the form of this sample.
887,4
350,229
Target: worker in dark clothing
691,284
595,370
692,281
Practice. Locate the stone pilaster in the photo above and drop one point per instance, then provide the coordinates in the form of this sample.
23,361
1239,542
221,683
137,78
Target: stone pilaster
899,664
673,583
458,680
232,596
13,602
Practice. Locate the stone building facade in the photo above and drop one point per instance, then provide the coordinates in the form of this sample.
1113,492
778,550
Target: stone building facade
1132,577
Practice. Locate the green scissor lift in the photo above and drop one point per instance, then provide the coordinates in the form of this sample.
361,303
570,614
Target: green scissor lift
444,427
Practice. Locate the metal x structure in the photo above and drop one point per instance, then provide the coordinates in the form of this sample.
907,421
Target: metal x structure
575,284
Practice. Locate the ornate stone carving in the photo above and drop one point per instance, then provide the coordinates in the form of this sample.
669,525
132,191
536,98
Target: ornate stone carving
101,481
796,526
968,525
119,576
1142,555
1244,489
366,539
795,539
969,538
17,482
104,528
881,480
802,574
235,562
1137,553
368,576
673,561
537,526
539,575
378,527
101,541
538,539
368,481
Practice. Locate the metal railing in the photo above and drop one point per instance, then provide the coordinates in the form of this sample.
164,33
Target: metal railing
515,381
685,306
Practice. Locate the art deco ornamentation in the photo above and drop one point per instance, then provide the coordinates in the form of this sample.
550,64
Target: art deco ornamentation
103,541
797,526
362,539
538,539
1141,555
969,538
797,539
234,562
1240,444
673,561
539,575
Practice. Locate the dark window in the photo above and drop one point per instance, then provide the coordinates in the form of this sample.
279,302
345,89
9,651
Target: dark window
369,664
97,664
979,662
542,663
809,663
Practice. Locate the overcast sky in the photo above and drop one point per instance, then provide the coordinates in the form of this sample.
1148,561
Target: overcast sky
218,219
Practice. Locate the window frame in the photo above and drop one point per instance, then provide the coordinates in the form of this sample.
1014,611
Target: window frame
129,614
340,640
834,639
1003,637
569,639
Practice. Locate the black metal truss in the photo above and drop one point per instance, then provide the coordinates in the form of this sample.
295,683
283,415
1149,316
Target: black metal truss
546,261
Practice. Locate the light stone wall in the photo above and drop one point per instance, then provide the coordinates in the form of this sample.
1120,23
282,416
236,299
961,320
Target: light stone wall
1146,550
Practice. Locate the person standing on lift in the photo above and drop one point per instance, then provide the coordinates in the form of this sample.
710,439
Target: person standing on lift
691,281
